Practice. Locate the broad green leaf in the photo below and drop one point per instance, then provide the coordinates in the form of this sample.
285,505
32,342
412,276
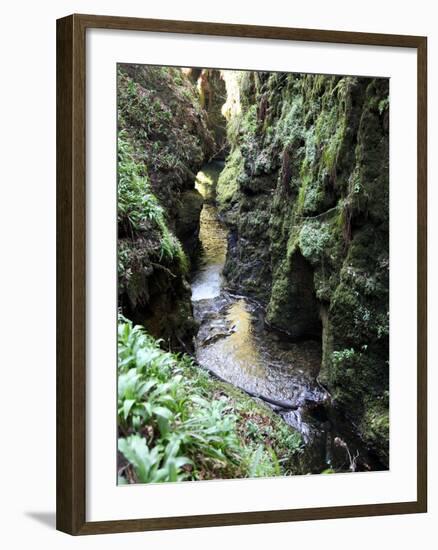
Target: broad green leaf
127,406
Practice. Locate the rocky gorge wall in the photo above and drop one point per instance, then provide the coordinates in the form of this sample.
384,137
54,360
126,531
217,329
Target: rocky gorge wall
305,193
163,141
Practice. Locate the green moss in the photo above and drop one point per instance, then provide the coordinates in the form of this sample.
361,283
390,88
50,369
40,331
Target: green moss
138,207
316,159
314,238
227,185
375,424
257,424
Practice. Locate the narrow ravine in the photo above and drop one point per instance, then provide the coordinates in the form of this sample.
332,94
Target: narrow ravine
253,272
207,282
234,343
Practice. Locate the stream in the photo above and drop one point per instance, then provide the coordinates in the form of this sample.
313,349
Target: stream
234,343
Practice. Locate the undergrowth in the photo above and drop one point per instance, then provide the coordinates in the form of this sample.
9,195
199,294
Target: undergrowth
178,423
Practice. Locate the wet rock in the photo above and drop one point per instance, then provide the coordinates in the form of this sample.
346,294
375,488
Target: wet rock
187,221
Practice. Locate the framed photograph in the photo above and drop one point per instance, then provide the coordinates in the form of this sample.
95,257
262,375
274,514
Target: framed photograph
241,274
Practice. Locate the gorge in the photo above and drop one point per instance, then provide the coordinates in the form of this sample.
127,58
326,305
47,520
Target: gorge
253,237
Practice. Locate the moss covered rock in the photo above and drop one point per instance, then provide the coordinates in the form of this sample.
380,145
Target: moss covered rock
305,192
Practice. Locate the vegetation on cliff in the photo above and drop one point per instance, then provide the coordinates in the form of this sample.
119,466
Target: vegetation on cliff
163,141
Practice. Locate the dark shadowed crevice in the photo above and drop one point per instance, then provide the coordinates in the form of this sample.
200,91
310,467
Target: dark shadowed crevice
305,317
294,308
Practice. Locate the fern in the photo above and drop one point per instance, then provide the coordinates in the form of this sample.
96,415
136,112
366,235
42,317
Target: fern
137,205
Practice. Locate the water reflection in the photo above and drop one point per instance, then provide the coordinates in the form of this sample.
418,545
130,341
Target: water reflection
213,236
233,342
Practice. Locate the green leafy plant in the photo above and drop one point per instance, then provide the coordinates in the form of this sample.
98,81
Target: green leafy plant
153,465
172,428
138,206
343,356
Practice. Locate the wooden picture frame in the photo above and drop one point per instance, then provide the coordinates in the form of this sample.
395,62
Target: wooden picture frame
71,272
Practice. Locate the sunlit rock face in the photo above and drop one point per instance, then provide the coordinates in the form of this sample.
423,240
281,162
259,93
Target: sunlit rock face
305,195
212,92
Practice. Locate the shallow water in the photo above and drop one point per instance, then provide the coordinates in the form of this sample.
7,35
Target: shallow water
207,282
234,343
